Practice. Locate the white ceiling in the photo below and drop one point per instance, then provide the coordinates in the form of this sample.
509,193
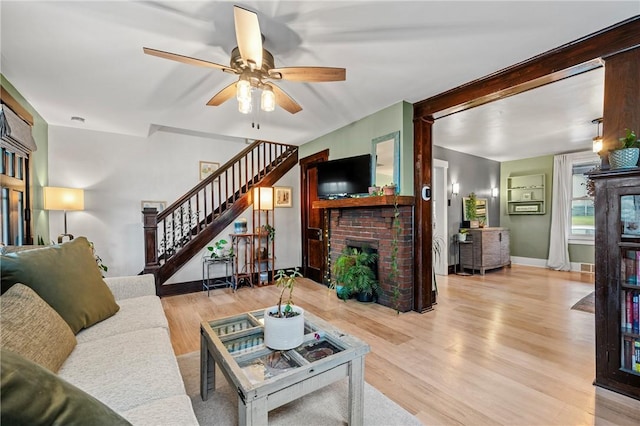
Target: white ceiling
84,58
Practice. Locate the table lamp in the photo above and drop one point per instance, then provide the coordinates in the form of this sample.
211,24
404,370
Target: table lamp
56,198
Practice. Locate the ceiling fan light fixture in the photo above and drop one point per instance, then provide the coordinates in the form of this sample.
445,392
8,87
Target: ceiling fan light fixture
244,107
268,99
243,91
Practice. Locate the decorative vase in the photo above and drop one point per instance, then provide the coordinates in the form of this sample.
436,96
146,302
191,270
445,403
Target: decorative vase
283,333
240,226
624,158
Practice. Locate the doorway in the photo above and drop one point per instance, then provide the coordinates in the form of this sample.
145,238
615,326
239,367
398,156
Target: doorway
314,243
439,212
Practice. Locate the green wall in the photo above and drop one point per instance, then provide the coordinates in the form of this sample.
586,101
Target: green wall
39,163
355,139
530,233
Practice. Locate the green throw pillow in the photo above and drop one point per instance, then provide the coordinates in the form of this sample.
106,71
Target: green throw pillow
32,395
65,276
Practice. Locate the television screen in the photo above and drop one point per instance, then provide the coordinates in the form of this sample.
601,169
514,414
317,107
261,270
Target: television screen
344,177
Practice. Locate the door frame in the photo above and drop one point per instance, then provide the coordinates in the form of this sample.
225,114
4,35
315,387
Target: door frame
615,45
440,213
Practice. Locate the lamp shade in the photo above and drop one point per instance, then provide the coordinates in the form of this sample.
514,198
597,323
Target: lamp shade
56,198
263,198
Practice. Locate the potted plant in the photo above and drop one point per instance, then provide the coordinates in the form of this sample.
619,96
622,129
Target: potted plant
217,250
627,155
284,324
389,189
353,270
462,235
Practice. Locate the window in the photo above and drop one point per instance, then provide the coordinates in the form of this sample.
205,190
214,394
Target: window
582,208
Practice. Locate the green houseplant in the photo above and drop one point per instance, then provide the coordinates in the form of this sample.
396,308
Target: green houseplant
353,271
284,325
217,250
627,155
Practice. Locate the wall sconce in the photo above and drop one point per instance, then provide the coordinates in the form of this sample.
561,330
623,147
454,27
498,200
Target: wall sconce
56,198
494,192
263,198
455,189
597,141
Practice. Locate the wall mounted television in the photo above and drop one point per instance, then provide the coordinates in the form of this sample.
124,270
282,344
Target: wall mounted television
344,177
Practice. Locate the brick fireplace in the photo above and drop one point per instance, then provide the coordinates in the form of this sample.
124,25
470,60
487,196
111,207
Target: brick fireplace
357,224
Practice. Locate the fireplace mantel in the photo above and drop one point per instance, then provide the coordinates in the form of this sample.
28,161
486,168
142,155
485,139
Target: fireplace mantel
378,201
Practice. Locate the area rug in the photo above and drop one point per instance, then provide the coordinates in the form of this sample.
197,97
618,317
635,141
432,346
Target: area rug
587,303
326,406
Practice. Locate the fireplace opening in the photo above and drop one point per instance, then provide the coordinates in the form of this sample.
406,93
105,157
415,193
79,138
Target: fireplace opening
368,247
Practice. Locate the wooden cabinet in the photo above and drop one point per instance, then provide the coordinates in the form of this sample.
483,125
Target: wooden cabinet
489,249
526,194
617,244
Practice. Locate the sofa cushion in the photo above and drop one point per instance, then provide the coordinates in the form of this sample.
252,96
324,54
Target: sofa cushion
138,313
126,370
176,408
31,328
32,395
66,277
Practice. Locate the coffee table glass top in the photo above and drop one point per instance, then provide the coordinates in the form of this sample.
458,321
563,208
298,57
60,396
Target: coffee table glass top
242,337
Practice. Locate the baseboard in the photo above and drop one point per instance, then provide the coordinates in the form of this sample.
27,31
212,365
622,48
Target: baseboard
582,267
529,261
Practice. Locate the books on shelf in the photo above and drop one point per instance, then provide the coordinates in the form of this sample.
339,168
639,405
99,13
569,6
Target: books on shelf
631,354
630,267
630,311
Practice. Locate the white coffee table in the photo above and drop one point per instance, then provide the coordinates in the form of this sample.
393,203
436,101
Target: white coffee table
266,379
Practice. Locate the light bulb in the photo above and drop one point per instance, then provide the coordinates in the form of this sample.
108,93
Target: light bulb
244,107
243,91
268,99
597,144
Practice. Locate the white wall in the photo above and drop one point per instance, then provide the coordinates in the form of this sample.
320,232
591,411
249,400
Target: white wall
119,171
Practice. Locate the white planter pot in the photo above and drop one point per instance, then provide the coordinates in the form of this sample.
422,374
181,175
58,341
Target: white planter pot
283,333
462,237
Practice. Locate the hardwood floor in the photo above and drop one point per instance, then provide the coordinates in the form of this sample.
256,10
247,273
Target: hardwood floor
499,349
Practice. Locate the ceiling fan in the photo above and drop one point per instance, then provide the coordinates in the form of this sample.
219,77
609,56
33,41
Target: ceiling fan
256,69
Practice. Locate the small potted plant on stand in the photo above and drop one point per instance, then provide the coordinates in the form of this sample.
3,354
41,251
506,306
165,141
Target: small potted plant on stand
217,250
284,324
627,155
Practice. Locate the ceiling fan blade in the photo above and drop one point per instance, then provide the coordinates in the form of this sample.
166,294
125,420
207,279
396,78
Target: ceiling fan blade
248,36
285,101
223,95
186,59
310,74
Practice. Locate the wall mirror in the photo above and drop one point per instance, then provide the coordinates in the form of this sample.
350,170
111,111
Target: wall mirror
385,158
482,213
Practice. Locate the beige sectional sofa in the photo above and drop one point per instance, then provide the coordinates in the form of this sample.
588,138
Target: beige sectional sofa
125,361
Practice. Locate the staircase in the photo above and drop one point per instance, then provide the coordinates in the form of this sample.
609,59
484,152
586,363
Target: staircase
178,233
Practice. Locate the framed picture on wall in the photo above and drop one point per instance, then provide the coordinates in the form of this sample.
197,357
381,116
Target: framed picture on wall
207,168
282,196
158,205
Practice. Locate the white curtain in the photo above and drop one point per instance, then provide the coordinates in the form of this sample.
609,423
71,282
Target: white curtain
560,217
